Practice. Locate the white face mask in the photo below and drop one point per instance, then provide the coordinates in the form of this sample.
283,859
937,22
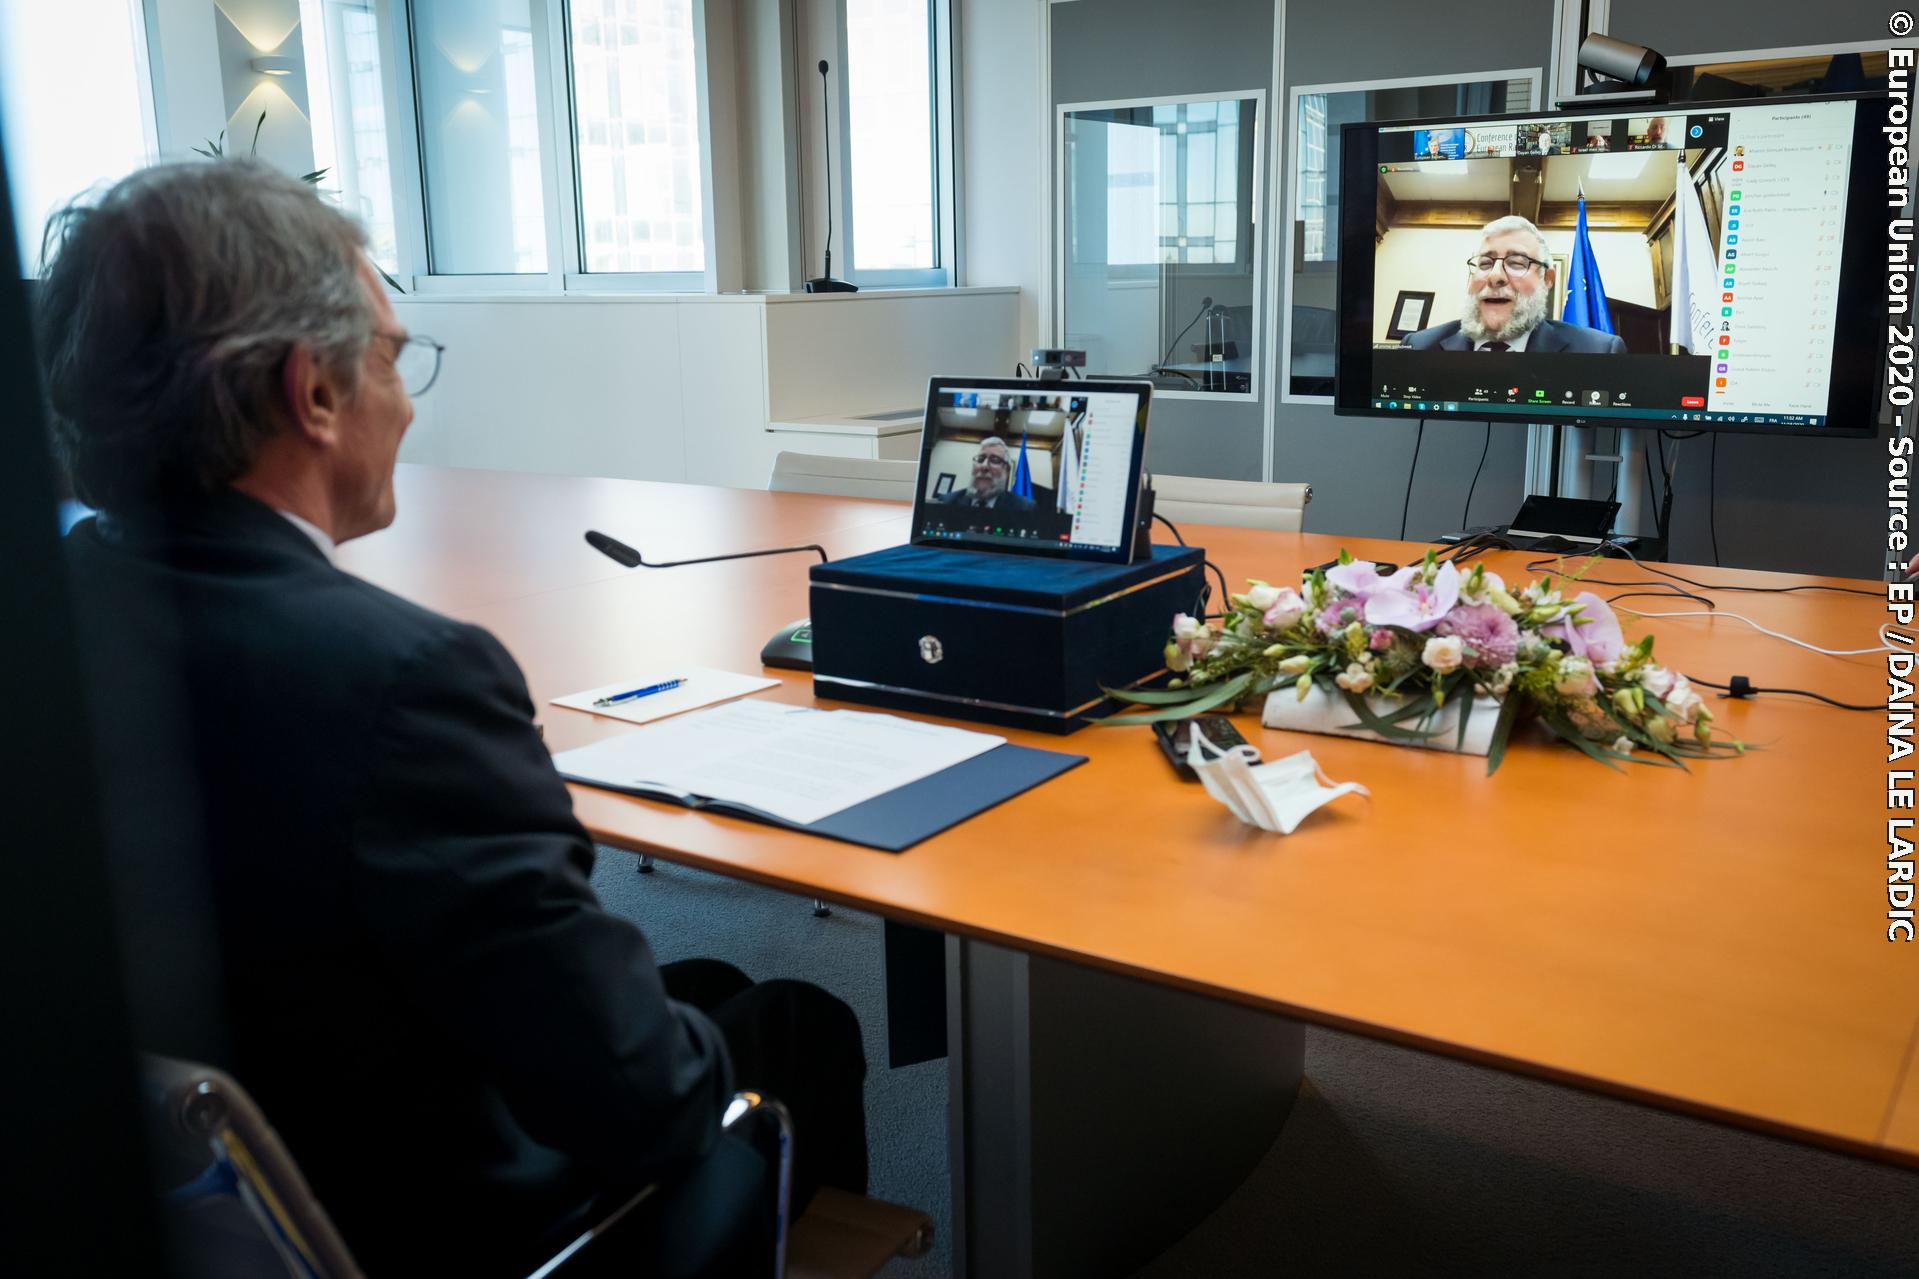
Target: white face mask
1276,796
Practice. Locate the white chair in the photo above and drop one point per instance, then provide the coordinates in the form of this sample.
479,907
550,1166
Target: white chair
843,476
1236,503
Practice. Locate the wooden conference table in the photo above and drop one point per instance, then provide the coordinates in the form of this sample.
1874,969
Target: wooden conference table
1710,941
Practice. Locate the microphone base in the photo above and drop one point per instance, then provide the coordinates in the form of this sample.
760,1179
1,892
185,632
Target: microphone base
826,284
791,648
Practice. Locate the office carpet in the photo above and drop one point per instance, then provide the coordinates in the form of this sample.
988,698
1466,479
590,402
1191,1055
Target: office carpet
1393,1162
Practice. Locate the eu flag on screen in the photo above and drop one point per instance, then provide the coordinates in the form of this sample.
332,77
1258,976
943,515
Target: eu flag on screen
1023,477
1585,295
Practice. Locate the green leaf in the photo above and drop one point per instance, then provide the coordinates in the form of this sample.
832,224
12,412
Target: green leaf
257,126
1502,729
1216,697
1568,733
1387,727
1465,713
313,177
1155,696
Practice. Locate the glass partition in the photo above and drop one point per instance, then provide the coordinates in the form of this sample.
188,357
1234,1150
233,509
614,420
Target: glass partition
1318,113
1157,255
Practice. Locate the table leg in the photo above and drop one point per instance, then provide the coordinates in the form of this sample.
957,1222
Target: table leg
1096,1119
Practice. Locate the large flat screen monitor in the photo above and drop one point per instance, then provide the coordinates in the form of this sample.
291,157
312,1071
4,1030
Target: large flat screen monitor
1049,468
1717,266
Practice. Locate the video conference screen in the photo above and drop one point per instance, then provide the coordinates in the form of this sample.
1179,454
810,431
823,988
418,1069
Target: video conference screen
1682,265
1051,468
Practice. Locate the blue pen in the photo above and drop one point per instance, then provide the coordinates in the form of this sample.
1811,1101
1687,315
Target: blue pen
648,691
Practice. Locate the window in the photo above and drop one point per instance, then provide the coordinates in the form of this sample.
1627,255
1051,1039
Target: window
890,142
348,99
636,128
1318,113
74,99
476,89
1156,259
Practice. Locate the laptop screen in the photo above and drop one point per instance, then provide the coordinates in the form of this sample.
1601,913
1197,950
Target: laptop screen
1041,467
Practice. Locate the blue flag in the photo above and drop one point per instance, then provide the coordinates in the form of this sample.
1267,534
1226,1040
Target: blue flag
1585,295
1023,477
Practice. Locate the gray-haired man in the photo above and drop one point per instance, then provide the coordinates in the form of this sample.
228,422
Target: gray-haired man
349,873
1510,278
992,475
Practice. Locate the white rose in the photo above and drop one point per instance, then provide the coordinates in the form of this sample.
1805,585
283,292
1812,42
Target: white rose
1622,744
1444,653
1186,628
1658,681
1576,678
1286,608
1295,664
1261,597
1354,679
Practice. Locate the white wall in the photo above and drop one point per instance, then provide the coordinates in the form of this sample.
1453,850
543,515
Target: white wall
854,353
1002,149
679,387
1434,259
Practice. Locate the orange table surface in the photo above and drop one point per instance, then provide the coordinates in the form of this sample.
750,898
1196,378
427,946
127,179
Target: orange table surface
1711,940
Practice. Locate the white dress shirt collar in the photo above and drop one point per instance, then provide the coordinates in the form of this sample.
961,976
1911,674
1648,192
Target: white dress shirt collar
313,532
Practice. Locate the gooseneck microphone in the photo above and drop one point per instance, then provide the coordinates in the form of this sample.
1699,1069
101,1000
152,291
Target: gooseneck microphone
825,283
625,556
1205,309
791,647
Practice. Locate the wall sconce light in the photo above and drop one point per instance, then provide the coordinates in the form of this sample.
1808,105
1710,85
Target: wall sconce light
273,64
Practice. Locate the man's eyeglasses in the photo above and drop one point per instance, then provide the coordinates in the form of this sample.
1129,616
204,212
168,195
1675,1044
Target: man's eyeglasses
989,459
1516,263
416,358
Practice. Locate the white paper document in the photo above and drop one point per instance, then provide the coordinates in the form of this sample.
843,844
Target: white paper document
791,762
703,687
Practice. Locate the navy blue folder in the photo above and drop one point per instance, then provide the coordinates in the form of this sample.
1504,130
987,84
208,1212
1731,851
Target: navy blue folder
901,818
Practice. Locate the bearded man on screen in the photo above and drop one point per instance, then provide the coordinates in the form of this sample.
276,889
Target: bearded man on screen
1508,283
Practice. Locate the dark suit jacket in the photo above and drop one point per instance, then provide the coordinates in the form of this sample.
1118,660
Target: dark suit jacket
1551,335
334,822
1008,500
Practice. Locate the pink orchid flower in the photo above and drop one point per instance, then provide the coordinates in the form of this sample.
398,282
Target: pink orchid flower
1418,607
1594,634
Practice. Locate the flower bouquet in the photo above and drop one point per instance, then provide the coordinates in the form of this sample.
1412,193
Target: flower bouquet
1399,648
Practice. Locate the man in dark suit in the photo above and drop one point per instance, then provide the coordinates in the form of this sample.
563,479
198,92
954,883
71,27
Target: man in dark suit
346,868
1511,276
992,474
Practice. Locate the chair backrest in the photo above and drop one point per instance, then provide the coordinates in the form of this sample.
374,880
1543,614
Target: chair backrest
843,476
202,1118
1235,503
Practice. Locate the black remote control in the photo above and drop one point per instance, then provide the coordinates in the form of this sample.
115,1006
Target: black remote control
1175,735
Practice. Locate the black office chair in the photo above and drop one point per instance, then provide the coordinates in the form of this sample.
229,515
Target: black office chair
246,1210
250,1207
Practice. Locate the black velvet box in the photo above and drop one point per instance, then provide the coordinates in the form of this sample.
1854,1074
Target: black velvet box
1010,639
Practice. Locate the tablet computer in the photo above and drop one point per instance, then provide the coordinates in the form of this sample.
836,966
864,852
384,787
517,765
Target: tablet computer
1040,468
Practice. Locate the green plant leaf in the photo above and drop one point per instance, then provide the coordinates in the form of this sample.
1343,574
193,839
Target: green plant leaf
1465,713
1568,733
313,178
1156,696
257,126
1387,727
1218,696
1502,730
